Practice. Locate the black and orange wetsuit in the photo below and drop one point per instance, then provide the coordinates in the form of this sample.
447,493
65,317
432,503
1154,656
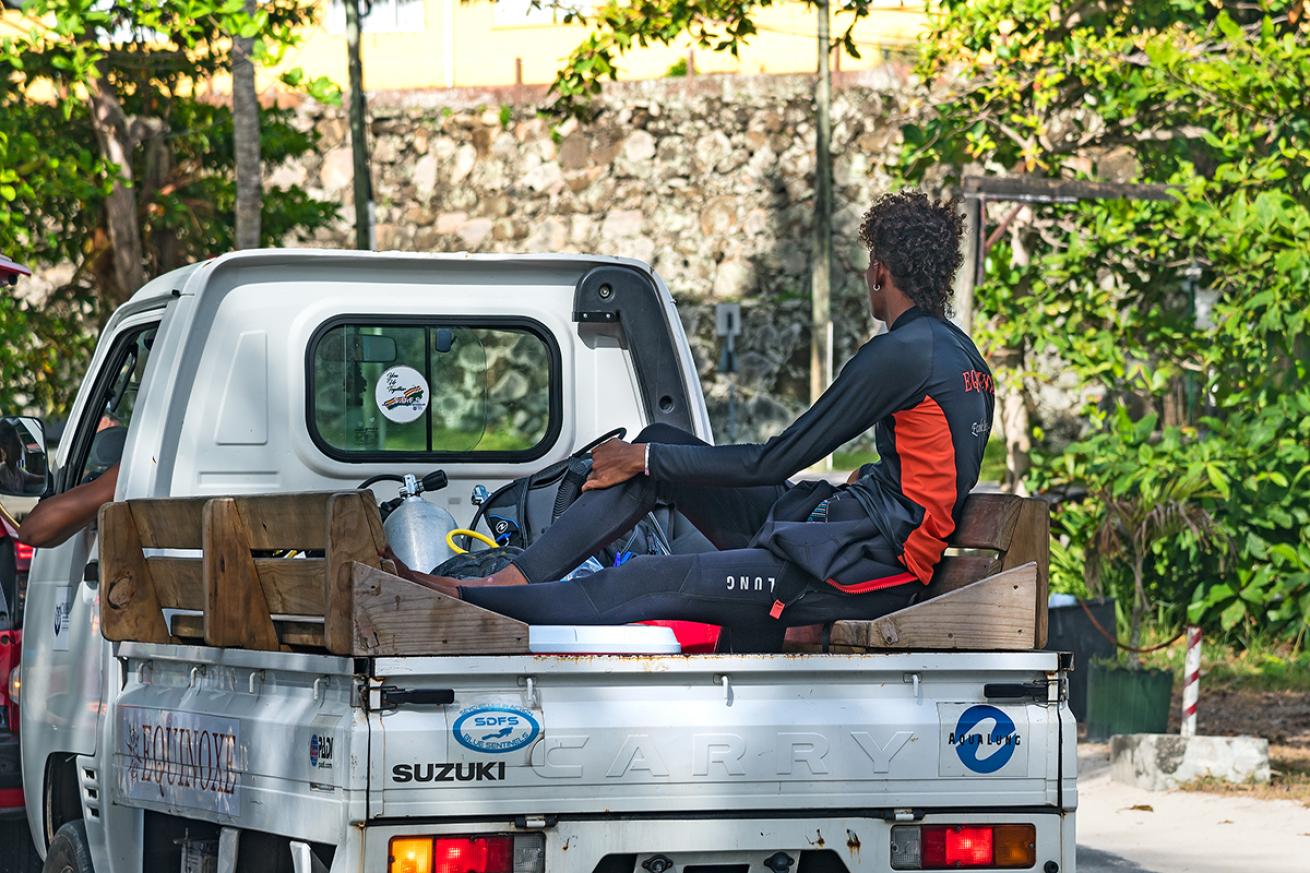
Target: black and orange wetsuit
802,553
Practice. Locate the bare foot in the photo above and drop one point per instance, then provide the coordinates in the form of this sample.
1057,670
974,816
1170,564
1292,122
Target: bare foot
443,584
509,575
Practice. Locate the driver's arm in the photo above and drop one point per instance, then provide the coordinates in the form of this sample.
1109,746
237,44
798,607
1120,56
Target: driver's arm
57,518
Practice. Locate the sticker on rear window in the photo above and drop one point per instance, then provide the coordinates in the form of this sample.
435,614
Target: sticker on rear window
983,740
402,394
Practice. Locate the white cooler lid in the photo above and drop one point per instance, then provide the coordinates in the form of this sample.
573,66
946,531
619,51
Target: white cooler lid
622,639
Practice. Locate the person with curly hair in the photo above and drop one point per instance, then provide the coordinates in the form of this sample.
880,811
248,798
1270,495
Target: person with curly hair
789,554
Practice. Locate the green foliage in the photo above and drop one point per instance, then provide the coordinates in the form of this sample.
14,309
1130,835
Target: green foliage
617,26
153,56
677,70
1183,319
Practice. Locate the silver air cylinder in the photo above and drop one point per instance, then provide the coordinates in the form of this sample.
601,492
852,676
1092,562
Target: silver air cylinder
417,530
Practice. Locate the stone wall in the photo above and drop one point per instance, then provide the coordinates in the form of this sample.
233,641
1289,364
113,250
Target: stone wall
709,179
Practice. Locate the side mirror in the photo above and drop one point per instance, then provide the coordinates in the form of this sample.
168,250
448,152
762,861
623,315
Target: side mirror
23,468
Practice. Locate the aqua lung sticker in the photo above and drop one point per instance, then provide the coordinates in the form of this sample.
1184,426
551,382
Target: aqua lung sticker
985,739
402,394
495,729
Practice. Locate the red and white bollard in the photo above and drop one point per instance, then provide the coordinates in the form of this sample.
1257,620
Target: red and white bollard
1191,681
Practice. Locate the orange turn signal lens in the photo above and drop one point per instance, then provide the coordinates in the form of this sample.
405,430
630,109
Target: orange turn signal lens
1015,845
410,855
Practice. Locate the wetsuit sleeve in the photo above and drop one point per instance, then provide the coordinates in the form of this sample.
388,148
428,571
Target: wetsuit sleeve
884,376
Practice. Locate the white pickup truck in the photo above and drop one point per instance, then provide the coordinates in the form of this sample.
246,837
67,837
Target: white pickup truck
263,372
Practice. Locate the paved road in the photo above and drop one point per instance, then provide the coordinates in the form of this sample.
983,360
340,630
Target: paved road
1123,829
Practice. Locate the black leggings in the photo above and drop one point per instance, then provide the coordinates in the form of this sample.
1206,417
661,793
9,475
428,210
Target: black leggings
732,587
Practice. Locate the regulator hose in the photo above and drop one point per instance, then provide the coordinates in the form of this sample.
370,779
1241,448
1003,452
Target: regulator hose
472,534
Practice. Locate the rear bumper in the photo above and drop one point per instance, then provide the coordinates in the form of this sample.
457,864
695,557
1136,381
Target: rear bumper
830,844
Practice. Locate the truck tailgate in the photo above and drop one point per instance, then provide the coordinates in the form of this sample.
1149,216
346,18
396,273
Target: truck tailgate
586,735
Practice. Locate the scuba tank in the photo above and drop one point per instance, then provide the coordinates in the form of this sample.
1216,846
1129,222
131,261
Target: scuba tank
416,528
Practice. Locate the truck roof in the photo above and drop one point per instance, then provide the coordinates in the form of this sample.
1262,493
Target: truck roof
179,281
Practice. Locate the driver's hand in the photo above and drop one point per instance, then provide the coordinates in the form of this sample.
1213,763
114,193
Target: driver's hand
615,462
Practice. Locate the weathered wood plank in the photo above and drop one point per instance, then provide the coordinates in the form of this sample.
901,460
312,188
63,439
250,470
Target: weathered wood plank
297,634
354,530
169,522
956,571
236,613
285,521
987,521
129,606
292,586
189,628
994,613
275,521
1032,543
394,616
301,634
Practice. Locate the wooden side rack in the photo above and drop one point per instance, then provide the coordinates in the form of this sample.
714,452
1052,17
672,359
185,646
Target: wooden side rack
988,592
303,572
277,571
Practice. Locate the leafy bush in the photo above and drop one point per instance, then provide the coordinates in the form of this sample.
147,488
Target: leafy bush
1183,318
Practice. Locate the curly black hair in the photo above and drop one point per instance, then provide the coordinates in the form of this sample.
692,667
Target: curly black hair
918,240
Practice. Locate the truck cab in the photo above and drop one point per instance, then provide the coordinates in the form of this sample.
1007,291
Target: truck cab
276,372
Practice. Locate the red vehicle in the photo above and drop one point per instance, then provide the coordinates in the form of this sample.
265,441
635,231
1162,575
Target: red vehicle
17,853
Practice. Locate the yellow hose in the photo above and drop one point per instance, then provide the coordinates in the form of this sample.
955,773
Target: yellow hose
463,532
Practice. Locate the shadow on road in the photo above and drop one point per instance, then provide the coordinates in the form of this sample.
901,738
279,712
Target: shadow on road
1095,861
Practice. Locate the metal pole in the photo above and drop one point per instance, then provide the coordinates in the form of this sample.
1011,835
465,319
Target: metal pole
821,273
1191,681
358,133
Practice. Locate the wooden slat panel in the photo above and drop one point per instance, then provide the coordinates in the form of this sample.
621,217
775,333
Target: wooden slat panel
987,521
285,521
179,582
1032,542
291,586
129,606
995,613
354,529
189,628
169,522
394,616
236,613
301,634
275,521
956,571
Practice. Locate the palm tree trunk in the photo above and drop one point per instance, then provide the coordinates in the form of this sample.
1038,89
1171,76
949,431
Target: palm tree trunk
245,137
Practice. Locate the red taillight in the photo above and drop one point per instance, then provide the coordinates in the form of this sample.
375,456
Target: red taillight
961,847
473,855
23,552
957,847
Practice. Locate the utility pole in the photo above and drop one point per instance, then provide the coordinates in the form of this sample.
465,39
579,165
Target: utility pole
358,133
821,272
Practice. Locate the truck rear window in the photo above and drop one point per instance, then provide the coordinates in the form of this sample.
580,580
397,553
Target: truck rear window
465,389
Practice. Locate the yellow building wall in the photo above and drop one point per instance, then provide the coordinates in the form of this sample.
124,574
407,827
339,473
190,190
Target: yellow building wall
462,44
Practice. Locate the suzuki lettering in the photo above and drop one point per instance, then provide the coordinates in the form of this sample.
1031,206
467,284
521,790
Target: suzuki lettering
984,751
495,729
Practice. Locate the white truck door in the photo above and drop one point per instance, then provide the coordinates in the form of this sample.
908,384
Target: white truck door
63,657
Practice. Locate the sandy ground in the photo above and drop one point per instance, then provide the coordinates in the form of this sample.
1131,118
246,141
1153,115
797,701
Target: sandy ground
1123,829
